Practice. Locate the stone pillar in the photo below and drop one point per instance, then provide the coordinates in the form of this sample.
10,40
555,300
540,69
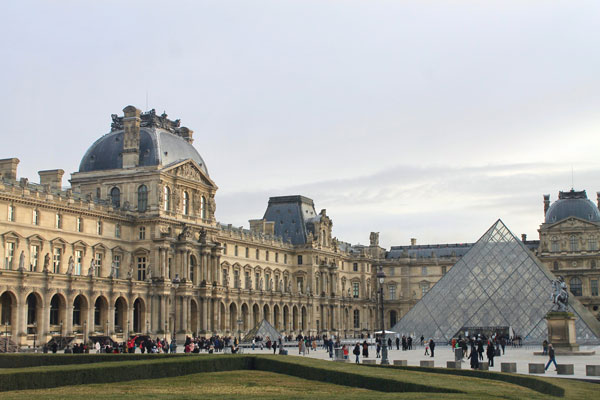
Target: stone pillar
69,316
561,331
20,311
111,320
44,324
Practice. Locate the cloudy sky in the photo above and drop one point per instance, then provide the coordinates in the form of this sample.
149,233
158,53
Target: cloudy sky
426,119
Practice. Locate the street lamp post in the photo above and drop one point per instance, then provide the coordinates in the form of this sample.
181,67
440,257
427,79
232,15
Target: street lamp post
6,336
84,332
175,282
384,349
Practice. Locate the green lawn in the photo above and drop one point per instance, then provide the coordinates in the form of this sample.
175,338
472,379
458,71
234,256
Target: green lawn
272,377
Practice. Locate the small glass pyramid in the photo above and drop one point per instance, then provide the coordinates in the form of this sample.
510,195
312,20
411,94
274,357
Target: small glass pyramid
498,282
263,330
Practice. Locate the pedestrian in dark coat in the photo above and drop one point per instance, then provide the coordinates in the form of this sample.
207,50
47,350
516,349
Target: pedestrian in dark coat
365,349
432,347
356,352
474,357
491,352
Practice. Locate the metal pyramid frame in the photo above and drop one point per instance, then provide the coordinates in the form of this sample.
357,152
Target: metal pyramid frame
264,329
498,282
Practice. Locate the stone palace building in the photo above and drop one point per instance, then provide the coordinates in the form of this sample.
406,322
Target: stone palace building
133,247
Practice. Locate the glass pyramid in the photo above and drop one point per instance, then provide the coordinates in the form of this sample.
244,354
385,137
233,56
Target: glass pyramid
264,330
498,282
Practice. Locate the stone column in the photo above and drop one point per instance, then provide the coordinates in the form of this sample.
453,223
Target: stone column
111,320
69,316
20,311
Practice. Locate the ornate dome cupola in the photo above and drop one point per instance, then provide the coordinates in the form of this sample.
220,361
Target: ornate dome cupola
140,139
571,204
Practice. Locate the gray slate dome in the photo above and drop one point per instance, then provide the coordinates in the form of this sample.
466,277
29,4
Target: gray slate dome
157,147
572,204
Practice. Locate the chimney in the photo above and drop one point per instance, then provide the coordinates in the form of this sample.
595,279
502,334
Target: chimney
131,137
186,134
523,237
8,168
546,203
52,177
413,241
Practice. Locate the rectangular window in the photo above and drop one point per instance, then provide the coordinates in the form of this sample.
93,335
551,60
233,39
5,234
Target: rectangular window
36,217
10,255
117,230
555,248
78,261
277,283
300,283
99,227
34,257
248,280
56,259
392,292
257,281
257,254
443,270
424,288
235,251
355,267
355,289
11,213
299,260
141,268
224,279
285,258
142,234
58,221
285,283
276,257
267,281
592,244
79,224
116,265
573,241
98,264
236,279
356,319
247,252
594,287
424,271
169,264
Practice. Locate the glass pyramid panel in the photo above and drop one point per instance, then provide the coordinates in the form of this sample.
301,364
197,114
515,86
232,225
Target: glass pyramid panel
499,282
264,330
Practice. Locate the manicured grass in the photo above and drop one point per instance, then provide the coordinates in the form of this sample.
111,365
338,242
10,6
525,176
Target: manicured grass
273,377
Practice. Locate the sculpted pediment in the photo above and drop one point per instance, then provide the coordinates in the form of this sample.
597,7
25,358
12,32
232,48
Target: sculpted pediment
190,170
573,223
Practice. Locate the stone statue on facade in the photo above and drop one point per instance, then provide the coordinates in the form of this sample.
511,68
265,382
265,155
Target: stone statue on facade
22,261
46,262
202,236
149,274
374,239
130,271
71,267
260,284
560,295
113,270
91,268
212,205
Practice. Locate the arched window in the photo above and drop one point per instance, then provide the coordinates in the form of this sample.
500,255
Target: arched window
142,198
203,207
115,196
167,194
186,203
575,286
356,319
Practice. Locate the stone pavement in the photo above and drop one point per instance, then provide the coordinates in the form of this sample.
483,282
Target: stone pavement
522,356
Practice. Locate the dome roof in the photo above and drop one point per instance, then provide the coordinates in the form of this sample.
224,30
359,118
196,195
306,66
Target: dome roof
572,204
157,147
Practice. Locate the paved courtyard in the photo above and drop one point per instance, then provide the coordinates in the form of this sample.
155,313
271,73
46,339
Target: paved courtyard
522,356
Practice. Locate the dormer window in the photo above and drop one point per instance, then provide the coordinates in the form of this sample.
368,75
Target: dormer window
186,203
167,194
115,197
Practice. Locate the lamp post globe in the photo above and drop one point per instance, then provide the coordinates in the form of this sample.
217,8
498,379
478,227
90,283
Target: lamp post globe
384,349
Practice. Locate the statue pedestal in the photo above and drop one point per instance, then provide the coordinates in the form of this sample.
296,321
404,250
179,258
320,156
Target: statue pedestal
561,331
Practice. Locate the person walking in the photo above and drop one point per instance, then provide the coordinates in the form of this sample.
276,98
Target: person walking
491,352
474,357
397,343
378,349
551,358
432,346
365,349
426,348
356,352
545,347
